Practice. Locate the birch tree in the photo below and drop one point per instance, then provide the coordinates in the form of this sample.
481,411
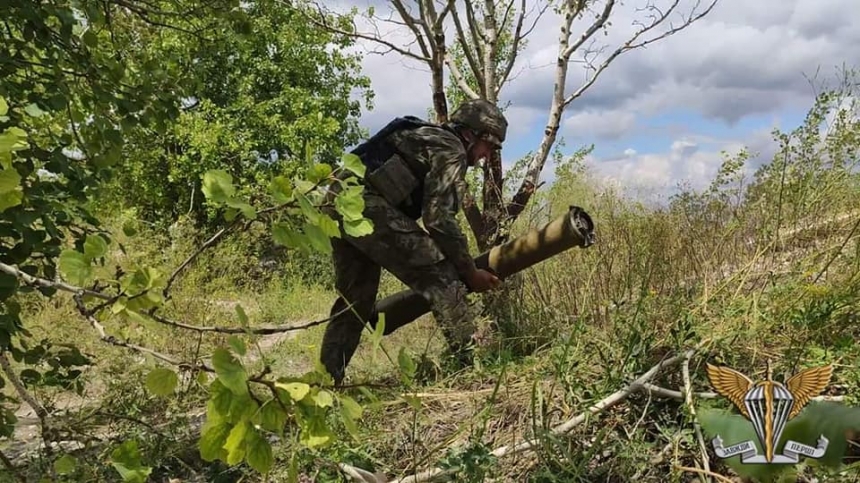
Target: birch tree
489,36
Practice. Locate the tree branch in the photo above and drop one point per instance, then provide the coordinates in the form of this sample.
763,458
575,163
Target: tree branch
561,429
41,282
41,412
467,52
260,330
631,43
103,335
373,38
459,79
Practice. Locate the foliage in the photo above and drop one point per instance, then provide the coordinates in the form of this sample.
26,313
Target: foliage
266,102
86,84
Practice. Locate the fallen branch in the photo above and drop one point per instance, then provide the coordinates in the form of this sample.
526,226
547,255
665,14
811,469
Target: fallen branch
10,467
706,472
669,393
688,389
527,445
41,412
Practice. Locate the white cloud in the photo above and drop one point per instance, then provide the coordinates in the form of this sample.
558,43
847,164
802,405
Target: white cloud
607,125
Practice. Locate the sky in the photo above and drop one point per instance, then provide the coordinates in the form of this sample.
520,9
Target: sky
657,116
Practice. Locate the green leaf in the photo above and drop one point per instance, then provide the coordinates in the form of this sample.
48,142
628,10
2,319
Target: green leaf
10,199
218,185
126,460
296,390
65,465
360,228
13,139
235,444
213,435
308,209
407,365
350,204
9,180
259,452
75,266
328,226
230,371
243,317
95,246
351,409
281,189
129,228
324,399
4,107
318,172
353,163
247,210
318,239
237,344
273,417
33,110
162,381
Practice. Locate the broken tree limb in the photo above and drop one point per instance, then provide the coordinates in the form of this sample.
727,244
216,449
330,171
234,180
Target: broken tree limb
688,390
609,401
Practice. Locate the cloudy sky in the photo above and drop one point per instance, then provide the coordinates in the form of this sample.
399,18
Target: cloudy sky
657,116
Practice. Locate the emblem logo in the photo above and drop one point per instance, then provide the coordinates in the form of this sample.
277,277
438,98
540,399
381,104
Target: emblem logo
769,405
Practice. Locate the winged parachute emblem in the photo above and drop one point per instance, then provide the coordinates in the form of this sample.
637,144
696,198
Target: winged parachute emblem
769,405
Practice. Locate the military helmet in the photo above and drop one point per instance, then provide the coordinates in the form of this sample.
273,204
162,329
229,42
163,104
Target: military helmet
483,117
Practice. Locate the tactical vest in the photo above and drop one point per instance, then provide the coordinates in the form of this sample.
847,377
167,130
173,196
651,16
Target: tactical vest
398,177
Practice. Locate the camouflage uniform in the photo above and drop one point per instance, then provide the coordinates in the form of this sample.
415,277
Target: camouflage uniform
431,262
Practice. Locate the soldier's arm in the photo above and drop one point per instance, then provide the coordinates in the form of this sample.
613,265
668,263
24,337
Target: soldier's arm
444,188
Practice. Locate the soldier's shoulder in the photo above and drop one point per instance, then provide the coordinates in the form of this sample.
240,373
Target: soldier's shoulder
432,136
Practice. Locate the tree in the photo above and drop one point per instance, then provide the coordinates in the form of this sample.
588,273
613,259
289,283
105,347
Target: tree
489,36
261,104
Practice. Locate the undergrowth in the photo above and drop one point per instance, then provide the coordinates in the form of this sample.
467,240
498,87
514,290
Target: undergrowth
761,265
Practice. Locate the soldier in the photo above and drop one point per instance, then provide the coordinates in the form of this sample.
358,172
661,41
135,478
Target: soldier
414,170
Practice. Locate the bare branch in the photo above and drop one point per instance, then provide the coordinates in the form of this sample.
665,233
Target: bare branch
633,44
28,398
10,467
564,428
459,79
365,36
79,303
260,330
591,30
41,282
411,22
514,47
467,52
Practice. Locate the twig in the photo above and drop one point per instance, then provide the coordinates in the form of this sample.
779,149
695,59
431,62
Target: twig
563,428
208,243
688,389
41,282
669,393
11,467
263,330
706,472
40,410
103,335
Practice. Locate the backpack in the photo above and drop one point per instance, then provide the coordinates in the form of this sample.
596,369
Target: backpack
397,177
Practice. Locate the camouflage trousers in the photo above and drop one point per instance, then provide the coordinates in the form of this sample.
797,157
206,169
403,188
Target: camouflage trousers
399,245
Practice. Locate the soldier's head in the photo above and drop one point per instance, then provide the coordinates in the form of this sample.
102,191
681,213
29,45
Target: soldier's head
483,126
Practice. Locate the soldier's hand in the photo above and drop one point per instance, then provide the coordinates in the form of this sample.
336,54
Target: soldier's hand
482,280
